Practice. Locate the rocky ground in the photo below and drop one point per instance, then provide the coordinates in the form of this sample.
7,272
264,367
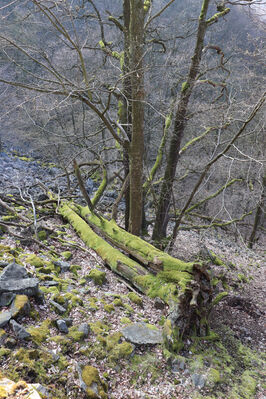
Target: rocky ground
70,328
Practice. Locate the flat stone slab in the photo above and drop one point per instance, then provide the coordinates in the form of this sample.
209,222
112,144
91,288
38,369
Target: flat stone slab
26,286
13,272
142,333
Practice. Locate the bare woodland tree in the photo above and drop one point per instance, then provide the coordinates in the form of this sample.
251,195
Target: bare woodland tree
108,112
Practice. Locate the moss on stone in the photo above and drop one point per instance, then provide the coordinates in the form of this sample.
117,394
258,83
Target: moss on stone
109,308
121,351
20,305
135,298
118,302
40,334
97,276
35,260
75,334
99,328
66,255
91,378
214,376
92,304
49,290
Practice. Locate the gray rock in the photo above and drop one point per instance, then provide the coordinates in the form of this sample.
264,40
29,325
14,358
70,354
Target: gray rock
6,298
13,272
62,326
198,380
64,266
19,330
60,309
141,333
178,364
84,328
5,317
26,286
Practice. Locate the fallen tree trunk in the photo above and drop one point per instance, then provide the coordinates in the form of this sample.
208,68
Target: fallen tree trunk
185,287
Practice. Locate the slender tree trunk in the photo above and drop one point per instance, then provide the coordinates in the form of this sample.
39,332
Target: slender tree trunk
137,142
258,216
126,111
180,122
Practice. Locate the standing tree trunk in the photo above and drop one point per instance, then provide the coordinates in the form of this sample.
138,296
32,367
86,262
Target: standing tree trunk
126,110
259,214
180,122
137,141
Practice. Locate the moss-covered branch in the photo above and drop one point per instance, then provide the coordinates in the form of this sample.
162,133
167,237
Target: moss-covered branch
195,139
218,15
159,157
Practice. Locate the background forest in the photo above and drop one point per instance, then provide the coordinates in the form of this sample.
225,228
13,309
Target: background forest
70,86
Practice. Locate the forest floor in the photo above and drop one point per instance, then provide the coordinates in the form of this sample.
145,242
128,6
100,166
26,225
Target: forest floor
229,366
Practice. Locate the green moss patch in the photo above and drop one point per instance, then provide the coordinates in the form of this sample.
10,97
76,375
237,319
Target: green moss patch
97,276
40,334
135,298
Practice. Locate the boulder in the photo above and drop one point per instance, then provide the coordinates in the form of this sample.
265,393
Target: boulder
13,272
142,333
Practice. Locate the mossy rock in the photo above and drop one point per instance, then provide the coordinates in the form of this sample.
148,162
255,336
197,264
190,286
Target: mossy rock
97,276
66,255
35,261
118,302
92,304
95,388
75,334
109,308
20,306
135,298
99,328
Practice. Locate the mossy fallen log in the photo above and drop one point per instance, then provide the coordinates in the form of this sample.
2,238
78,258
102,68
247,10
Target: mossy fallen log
144,252
185,287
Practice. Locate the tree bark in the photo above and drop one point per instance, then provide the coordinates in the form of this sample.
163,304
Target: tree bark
137,142
126,110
